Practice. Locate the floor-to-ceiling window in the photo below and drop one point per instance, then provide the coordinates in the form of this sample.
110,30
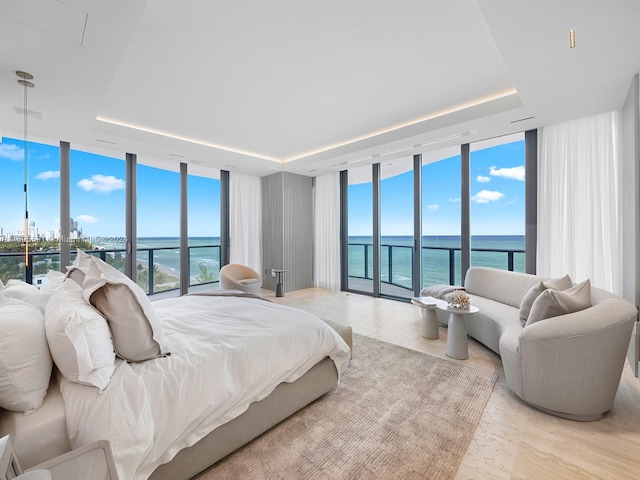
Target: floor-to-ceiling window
441,217
204,229
494,228
40,234
360,226
497,215
396,228
158,214
97,205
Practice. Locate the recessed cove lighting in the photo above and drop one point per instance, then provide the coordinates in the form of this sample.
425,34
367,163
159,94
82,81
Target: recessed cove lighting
183,138
522,119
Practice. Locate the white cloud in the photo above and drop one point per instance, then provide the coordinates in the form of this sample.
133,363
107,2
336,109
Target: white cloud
455,200
11,152
48,175
514,173
101,183
87,219
433,206
483,179
486,196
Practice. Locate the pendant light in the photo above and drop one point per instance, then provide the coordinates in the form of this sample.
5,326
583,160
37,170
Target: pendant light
24,80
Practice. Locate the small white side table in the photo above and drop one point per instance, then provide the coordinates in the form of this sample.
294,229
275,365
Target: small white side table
93,461
429,316
457,346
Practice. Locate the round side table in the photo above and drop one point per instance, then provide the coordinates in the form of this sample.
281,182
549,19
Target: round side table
430,327
457,346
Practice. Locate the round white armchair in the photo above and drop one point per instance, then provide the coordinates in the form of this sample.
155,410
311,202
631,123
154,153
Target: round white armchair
239,277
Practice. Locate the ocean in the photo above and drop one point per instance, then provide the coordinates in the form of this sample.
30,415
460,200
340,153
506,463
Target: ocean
204,251
436,250
435,255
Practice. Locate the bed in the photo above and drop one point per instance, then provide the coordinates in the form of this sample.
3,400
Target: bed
226,368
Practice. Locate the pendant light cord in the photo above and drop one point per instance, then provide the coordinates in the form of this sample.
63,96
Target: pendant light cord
26,182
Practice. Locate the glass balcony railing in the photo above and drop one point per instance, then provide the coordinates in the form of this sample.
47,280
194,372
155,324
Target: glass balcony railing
152,275
441,265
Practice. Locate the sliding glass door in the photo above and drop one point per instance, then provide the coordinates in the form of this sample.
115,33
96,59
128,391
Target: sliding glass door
396,228
360,226
441,216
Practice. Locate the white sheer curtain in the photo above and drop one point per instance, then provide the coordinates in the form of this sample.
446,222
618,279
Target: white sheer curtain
579,200
245,221
326,251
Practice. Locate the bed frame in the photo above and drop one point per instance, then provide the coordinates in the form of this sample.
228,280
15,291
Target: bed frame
283,402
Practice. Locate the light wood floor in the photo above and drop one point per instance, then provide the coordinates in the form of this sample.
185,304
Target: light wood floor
512,440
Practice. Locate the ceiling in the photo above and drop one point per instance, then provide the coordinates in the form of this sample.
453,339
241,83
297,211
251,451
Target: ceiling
306,87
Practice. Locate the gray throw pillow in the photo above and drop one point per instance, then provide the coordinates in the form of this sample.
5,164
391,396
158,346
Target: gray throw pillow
553,303
535,291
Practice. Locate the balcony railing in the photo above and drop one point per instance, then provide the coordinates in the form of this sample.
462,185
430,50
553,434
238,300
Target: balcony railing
441,265
152,277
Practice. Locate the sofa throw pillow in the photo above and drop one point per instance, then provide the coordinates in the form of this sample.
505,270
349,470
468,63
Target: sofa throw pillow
25,361
533,293
137,331
79,338
552,303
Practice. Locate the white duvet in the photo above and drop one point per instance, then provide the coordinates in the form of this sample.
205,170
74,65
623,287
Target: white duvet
226,352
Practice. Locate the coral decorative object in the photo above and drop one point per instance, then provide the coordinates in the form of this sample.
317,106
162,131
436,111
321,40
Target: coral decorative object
460,300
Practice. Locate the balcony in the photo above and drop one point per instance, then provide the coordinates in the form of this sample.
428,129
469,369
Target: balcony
153,277
440,265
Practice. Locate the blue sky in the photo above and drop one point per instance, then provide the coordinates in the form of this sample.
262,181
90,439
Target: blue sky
98,194
497,197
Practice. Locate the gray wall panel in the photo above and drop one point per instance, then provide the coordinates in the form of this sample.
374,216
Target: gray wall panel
287,230
272,228
298,232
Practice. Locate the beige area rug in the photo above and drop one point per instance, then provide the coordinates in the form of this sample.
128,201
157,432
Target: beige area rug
397,414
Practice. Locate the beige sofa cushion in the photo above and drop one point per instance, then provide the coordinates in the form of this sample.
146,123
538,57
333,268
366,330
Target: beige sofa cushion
527,301
552,303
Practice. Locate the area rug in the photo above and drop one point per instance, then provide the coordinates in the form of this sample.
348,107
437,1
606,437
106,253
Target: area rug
397,413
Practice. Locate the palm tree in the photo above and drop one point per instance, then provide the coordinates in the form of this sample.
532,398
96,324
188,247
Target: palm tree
205,276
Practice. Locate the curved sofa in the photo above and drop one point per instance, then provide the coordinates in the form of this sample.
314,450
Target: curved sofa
569,365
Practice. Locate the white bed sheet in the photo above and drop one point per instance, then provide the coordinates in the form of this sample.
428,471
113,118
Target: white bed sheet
226,352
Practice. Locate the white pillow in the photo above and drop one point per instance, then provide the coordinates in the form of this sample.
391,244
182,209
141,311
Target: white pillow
79,338
25,361
553,303
19,289
76,270
26,292
137,331
54,279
